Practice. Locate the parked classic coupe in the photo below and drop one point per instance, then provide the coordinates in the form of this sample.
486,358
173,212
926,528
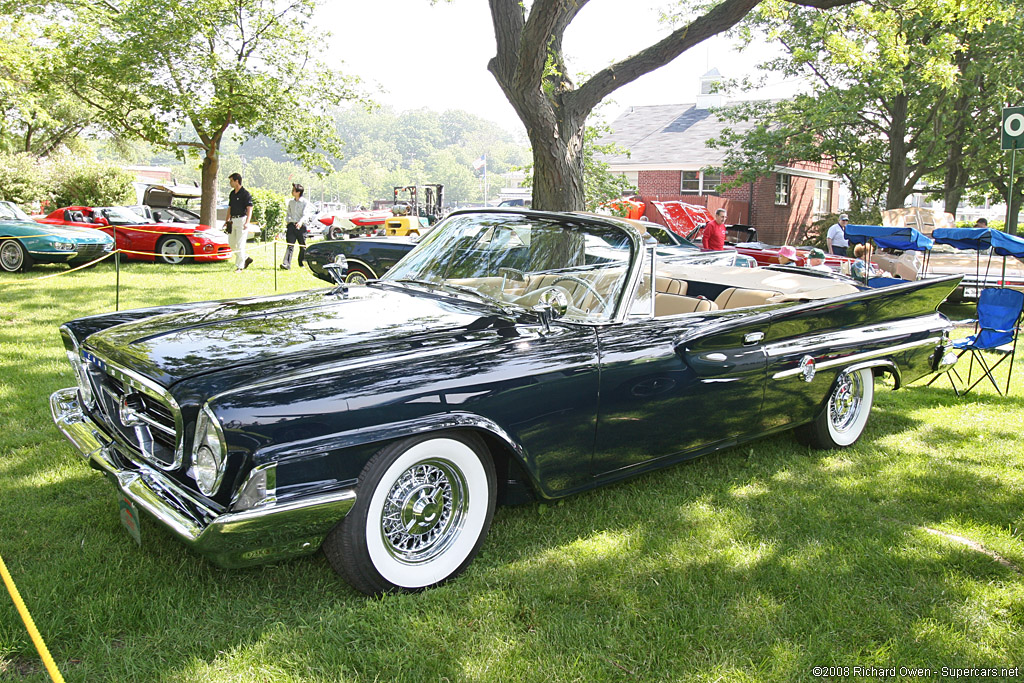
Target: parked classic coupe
144,239
23,242
510,355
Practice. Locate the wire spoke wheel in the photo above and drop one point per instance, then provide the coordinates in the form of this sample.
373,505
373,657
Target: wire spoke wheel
423,508
12,256
841,422
845,403
423,512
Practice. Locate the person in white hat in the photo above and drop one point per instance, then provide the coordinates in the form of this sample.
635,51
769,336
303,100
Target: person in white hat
836,238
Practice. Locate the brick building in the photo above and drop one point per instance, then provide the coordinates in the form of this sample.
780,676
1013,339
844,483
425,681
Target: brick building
668,159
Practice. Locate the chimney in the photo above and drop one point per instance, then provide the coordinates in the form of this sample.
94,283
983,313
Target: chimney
707,99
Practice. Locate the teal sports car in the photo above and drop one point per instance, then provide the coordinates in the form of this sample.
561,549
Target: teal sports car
23,242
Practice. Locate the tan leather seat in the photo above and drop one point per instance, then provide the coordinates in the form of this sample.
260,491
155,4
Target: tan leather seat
735,297
672,304
668,285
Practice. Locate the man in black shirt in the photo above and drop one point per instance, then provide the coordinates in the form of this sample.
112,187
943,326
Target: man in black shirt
239,214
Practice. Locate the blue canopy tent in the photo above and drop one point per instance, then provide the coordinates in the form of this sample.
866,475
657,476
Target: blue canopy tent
982,239
890,237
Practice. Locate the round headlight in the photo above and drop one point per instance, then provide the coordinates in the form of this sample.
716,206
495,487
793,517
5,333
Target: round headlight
207,469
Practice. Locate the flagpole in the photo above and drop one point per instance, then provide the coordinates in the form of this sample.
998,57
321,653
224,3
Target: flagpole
485,179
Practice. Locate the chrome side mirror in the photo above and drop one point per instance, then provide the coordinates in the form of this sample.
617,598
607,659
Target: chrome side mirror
338,269
552,305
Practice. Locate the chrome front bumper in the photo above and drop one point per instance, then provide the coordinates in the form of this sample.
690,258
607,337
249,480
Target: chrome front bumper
230,539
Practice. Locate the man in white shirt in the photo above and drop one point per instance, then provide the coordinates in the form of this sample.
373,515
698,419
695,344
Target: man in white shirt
836,238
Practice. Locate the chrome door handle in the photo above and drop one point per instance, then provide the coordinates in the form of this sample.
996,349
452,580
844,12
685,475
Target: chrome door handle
751,338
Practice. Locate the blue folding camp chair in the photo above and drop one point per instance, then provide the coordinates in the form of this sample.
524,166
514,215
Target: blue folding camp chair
999,313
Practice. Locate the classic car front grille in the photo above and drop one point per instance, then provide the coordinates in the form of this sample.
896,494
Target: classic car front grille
88,252
140,412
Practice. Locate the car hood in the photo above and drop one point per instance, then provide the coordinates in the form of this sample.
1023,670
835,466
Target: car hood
32,228
277,334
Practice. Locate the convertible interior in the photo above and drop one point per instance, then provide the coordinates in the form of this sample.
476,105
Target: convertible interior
679,288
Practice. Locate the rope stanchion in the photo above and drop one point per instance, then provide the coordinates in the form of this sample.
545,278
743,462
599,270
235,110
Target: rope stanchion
30,625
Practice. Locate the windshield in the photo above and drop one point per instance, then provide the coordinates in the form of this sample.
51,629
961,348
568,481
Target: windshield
11,211
510,259
119,215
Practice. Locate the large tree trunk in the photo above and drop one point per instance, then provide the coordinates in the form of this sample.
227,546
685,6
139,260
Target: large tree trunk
558,167
896,193
208,203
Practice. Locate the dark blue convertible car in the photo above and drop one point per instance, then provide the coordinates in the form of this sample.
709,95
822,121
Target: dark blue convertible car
511,355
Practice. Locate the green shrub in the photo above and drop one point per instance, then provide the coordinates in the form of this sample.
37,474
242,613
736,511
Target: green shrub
86,182
268,210
994,224
23,180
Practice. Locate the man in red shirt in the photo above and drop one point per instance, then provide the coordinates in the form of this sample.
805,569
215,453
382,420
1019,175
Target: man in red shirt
714,233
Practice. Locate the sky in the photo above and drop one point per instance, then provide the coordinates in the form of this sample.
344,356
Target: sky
411,54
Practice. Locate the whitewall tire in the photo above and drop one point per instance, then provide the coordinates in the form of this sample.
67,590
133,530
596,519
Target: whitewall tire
845,414
423,508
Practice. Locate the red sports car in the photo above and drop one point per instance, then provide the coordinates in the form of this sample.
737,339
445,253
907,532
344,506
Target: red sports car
144,239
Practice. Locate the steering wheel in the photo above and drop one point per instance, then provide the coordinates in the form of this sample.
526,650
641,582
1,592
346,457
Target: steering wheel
586,285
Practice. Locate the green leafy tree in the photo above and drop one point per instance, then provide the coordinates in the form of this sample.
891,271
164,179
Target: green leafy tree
36,115
891,104
23,179
184,75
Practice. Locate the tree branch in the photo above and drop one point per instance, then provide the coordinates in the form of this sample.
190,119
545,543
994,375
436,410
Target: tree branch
719,19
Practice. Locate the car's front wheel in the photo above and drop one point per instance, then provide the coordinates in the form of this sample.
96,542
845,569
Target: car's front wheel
423,508
173,249
14,257
845,415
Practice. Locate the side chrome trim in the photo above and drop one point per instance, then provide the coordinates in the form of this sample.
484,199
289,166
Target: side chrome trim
266,533
858,357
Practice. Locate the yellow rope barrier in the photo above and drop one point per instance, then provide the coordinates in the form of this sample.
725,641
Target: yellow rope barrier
263,246
33,632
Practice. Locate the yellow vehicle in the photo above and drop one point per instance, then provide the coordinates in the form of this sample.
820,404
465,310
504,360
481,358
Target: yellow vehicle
415,209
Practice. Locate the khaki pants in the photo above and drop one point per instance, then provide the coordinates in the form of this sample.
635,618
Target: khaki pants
237,240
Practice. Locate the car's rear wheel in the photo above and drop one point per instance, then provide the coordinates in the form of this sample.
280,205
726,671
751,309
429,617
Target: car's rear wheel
357,275
335,233
845,415
173,249
423,508
13,256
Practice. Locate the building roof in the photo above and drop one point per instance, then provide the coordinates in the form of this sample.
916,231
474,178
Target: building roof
667,137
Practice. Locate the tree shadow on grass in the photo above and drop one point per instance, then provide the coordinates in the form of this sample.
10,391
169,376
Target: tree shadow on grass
757,562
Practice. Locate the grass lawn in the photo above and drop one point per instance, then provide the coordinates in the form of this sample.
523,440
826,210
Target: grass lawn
754,564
